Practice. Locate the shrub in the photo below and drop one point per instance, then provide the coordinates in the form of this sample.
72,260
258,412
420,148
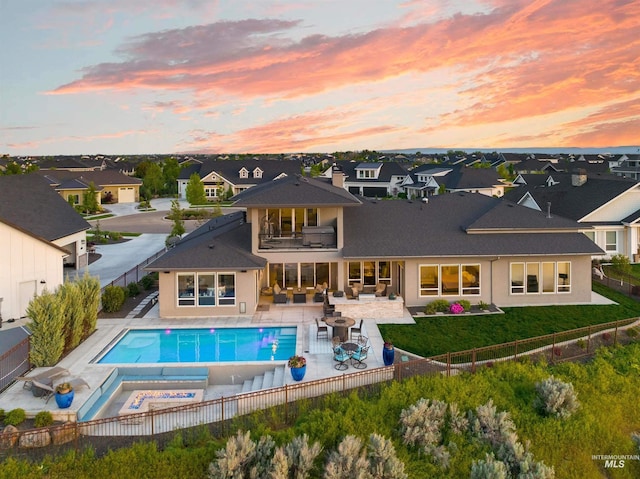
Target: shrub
632,332
489,468
482,305
133,289
147,281
465,304
556,398
2,415
439,305
114,235
606,336
456,308
581,343
113,298
557,351
15,417
43,419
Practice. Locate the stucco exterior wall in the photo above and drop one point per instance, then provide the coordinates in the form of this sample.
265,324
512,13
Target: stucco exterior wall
495,281
246,292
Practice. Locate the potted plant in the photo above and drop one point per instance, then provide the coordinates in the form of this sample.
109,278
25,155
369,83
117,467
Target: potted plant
388,353
298,365
64,395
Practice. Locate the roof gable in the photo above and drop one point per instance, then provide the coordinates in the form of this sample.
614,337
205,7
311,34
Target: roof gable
28,202
295,191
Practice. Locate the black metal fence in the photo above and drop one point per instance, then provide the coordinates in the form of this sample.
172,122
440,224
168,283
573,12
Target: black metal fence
136,273
14,362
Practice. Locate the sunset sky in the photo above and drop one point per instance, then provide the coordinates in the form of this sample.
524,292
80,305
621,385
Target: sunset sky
239,76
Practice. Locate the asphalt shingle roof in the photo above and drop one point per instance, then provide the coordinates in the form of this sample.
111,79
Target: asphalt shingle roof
451,224
221,243
28,202
574,202
295,191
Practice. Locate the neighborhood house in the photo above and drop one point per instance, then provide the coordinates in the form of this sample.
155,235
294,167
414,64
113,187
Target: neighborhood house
301,238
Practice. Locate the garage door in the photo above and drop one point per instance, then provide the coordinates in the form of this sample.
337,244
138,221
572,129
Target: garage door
126,195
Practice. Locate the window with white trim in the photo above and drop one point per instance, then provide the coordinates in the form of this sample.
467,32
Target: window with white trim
611,241
214,289
540,277
450,280
369,273
244,173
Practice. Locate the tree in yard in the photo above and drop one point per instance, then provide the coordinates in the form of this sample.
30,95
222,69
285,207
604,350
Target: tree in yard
176,216
47,328
621,263
195,190
90,200
153,180
73,311
89,288
170,172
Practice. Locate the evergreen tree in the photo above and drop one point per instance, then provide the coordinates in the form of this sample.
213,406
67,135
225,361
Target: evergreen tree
89,288
170,172
47,328
73,311
90,199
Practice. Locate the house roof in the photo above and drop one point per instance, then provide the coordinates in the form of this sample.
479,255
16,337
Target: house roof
221,243
230,169
295,191
574,202
28,202
388,169
458,224
99,178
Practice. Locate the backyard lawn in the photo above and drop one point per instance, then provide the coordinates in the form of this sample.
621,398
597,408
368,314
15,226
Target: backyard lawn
431,336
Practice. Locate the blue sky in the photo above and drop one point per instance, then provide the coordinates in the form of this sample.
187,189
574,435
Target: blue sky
170,76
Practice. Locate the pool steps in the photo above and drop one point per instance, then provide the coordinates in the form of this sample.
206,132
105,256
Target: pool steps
270,379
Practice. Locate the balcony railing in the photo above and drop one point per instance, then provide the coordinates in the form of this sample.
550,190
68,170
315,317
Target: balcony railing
316,238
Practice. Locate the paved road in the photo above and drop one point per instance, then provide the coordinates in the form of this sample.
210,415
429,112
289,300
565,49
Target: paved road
116,259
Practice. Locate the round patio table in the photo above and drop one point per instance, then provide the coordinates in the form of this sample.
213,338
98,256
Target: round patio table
340,326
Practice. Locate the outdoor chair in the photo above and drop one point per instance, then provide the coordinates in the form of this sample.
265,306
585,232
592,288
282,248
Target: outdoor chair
44,377
322,330
336,341
341,356
359,356
357,330
362,340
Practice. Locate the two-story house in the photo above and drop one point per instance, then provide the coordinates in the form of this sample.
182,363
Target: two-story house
221,176
298,233
608,206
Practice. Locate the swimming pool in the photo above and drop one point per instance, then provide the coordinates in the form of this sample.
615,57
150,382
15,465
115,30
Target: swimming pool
212,345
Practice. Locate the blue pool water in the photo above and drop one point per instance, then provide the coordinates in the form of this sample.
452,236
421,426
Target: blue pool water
151,346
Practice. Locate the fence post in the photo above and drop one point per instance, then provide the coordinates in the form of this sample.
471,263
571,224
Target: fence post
553,348
615,334
286,404
473,360
152,422
222,413
589,340
515,354
448,364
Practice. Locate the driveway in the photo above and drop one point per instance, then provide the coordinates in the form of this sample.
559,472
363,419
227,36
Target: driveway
116,259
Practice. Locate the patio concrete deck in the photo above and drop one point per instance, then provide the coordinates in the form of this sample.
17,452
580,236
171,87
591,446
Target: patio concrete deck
318,352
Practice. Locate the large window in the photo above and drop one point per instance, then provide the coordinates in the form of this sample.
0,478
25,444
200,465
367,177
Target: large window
294,275
286,222
450,280
214,289
370,273
546,277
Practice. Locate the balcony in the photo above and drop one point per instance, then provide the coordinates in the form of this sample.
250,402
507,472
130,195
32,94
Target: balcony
311,237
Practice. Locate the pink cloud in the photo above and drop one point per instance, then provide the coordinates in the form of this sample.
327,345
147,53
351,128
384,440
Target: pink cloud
297,133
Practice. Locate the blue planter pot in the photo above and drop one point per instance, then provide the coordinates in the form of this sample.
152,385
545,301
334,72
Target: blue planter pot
64,400
298,373
388,356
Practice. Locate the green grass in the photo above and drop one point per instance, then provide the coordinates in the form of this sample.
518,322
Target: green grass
431,336
98,217
607,389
